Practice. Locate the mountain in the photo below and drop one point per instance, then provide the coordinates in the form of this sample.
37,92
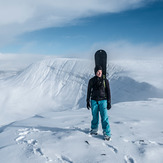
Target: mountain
60,84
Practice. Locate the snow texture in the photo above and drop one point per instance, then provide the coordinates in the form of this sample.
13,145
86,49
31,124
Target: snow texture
44,119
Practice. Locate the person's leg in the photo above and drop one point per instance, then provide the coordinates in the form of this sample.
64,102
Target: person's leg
95,116
104,118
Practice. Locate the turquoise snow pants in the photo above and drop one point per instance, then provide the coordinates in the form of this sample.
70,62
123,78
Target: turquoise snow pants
96,107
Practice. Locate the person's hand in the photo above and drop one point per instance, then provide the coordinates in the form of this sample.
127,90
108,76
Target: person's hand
108,106
88,105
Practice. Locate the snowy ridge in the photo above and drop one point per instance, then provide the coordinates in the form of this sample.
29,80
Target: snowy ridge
61,83
55,78
55,84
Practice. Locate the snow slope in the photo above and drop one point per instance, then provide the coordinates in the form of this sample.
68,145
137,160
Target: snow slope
60,83
43,116
48,85
63,137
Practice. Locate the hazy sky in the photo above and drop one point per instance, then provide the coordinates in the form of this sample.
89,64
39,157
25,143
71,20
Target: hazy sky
75,27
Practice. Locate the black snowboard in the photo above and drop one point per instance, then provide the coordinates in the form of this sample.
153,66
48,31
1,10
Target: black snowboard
101,60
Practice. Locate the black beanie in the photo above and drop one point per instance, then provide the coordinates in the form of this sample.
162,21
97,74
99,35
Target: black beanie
97,68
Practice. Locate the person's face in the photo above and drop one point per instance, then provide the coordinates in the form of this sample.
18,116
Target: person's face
99,73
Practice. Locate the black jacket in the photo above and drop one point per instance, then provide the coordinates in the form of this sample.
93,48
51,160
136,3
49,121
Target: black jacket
97,90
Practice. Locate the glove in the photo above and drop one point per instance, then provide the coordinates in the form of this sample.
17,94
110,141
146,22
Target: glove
88,105
108,106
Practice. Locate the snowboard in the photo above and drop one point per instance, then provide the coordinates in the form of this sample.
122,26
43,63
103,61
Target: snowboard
101,60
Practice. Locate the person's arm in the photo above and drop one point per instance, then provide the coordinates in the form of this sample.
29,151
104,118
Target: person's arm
108,92
89,91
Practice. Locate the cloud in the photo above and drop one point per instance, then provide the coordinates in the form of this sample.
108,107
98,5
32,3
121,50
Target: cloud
19,16
124,49
18,61
127,50
120,50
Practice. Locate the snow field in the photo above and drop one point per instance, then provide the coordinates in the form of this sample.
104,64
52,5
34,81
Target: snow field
44,119
64,136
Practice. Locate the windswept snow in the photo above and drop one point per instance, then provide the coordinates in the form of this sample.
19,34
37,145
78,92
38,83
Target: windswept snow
48,85
137,136
44,119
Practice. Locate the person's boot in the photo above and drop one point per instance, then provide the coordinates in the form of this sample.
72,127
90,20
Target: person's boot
93,132
106,137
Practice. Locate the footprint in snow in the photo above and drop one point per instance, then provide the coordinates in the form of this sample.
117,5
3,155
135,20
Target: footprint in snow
161,144
115,150
118,122
63,158
23,133
142,144
145,142
128,159
32,146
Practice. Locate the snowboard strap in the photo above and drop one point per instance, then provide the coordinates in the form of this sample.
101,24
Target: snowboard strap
104,81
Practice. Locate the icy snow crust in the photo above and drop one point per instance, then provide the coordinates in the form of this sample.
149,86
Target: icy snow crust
43,116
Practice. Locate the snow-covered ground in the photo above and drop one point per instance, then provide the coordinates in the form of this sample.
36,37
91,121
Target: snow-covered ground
44,119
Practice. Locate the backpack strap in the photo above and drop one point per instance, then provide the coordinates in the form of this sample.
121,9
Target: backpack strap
104,77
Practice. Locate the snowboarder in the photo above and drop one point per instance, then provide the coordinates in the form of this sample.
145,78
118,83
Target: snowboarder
99,93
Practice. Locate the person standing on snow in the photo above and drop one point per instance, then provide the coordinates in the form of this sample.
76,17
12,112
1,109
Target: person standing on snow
99,92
